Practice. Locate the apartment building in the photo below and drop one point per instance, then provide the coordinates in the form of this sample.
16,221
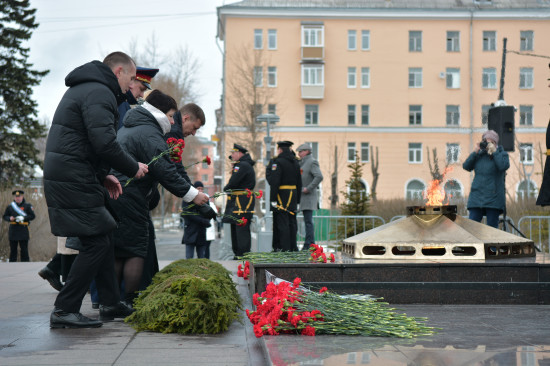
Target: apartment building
400,77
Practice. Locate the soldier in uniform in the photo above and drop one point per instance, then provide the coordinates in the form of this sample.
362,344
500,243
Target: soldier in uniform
239,202
19,213
137,89
286,187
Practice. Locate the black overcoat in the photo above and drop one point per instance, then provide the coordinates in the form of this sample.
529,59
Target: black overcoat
284,172
242,177
80,150
19,231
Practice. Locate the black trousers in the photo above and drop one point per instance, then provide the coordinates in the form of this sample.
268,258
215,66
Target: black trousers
95,260
285,228
24,244
240,239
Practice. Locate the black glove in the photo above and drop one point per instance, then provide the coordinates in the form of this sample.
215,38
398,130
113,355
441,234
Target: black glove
207,212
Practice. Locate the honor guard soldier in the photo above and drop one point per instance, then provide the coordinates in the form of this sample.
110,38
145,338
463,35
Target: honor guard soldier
142,83
239,202
286,186
18,214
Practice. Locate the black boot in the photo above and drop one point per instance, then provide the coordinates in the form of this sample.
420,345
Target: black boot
118,310
62,319
51,277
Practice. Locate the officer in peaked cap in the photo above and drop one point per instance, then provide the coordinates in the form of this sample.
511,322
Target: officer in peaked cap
283,175
239,203
144,76
18,214
237,147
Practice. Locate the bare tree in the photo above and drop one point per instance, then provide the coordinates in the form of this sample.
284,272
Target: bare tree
375,173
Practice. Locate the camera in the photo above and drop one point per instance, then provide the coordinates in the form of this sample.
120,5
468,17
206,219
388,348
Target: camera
483,144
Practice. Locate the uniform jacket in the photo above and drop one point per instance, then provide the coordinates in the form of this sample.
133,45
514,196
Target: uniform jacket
80,150
242,177
544,194
284,172
19,231
311,177
488,186
143,139
194,231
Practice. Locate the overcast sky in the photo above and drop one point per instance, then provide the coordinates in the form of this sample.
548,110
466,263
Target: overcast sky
72,33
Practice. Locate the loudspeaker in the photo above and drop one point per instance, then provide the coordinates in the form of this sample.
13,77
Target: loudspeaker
501,120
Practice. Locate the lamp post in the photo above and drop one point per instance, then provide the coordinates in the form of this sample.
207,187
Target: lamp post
268,119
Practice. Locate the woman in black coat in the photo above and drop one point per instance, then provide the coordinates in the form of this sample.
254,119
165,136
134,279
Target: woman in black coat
143,138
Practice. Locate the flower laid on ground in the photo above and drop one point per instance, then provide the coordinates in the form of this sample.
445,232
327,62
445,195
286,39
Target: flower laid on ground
290,308
175,149
205,160
244,272
314,255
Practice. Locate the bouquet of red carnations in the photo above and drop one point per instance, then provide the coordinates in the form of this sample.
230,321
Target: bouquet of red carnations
290,308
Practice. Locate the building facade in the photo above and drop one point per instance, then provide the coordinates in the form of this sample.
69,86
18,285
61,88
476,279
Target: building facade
401,77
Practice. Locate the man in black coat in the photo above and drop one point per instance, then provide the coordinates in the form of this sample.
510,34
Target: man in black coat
19,213
285,183
80,150
240,204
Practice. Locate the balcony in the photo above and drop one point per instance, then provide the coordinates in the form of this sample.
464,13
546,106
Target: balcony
313,91
313,53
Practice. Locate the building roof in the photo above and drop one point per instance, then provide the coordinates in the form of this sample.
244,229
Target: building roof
395,4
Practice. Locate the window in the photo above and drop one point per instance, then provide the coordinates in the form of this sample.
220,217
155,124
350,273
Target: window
205,178
525,115
258,39
352,77
312,74
415,77
365,152
365,77
365,40
365,112
351,114
352,40
272,108
453,41
415,115
351,151
415,41
205,165
204,151
485,114
452,115
527,189
489,78
526,40
272,39
452,153
526,78
452,189
312,114
526,153
272,76
453,78
415,152
415,189
258,76
312,36
489,41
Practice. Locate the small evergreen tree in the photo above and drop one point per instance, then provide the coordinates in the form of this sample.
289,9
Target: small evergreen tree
356,202
19,125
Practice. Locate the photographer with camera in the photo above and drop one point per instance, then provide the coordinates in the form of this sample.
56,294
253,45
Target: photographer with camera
487,195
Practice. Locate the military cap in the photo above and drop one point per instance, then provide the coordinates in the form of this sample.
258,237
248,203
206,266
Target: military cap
285,143
304,146
145,75
18,192
237,147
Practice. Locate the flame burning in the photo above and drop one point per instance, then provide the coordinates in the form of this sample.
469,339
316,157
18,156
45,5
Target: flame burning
435,193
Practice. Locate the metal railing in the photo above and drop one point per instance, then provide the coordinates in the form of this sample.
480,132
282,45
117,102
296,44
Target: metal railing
536,228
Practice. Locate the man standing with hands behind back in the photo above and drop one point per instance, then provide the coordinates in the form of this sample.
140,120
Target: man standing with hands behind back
80,150
309,202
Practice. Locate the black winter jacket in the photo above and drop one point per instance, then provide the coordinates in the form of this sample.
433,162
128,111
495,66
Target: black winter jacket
80,150
143,139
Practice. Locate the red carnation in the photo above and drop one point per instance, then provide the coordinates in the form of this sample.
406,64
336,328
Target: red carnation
323,289
308,331
242,221
207,160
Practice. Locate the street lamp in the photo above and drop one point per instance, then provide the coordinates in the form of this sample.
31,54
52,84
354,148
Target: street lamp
268,118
